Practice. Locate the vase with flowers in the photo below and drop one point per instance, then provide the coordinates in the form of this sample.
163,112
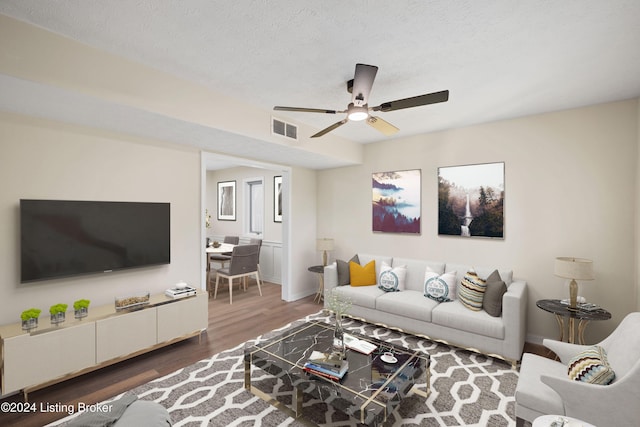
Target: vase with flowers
339,305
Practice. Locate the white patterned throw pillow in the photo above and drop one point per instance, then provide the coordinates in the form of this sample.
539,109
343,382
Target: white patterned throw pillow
440,288
591,366
392,279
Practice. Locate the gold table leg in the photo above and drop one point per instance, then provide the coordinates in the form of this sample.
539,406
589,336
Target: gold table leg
582,325
427,392
560,320
572,330
247,374
320,294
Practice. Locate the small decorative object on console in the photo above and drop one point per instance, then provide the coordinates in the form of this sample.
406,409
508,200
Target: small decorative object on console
180,291
58,313
30,318
81,308
124,303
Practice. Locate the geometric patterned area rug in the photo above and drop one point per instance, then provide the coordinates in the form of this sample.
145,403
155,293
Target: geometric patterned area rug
467,389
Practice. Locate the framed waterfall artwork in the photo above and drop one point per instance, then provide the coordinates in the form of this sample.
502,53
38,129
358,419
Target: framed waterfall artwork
471,200
397,201
227,201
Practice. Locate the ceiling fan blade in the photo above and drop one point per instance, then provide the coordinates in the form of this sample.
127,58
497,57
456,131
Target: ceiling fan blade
305,110
330,128
362,83
416,101
382,125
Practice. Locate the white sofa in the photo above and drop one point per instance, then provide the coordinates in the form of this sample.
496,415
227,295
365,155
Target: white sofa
450,322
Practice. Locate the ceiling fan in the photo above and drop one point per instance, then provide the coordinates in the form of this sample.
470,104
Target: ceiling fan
358,109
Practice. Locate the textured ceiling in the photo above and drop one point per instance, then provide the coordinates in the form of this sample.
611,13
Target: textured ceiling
498,59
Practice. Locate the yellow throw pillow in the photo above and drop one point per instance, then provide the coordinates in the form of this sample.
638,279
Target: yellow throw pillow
363,276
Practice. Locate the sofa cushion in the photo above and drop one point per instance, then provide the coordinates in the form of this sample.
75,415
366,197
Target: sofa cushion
379,259
344,276
392,279
471,292
440,287
408,303
483,272
362,275
492,301
415,271
363,296
591,366
454,315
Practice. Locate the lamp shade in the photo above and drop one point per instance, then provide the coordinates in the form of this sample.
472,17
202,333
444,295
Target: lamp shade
324,244
574,268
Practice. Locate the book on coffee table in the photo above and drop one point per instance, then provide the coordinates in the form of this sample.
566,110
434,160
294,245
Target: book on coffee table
326,360
358,345
335,374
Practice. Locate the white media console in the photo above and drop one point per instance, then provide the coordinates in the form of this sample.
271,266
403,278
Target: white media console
51,354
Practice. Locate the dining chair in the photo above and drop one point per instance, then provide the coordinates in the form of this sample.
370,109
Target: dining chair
224,258
243,263
254,241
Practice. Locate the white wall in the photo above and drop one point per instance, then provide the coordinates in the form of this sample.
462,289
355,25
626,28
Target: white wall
637,235
571,189
43,160
302,233
272,230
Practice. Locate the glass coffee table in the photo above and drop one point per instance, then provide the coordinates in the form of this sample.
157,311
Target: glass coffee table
369,391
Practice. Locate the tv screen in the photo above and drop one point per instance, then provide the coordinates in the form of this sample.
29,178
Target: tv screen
60,238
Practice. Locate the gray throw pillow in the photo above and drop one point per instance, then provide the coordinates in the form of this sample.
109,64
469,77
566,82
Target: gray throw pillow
344,277
496,288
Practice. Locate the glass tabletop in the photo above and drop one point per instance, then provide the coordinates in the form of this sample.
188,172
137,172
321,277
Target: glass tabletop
369,391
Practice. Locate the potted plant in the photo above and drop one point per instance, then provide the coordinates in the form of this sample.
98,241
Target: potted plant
30,318
81,308
57,312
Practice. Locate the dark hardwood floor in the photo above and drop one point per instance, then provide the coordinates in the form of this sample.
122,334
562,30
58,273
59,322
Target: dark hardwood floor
229,325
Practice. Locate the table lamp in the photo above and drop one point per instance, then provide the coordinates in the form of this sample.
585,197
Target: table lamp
574,269
324,245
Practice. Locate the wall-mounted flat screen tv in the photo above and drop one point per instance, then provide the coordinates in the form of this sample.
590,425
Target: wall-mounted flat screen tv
61,238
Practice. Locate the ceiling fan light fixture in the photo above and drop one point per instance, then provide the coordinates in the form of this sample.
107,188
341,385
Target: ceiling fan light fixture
356,113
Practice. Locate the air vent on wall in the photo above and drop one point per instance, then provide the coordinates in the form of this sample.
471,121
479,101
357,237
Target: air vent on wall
282,128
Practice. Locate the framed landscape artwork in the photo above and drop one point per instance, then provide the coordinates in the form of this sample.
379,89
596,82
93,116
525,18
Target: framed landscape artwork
471,200
227,201
397,201
277,199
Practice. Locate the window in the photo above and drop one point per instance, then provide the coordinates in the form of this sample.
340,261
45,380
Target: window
254,211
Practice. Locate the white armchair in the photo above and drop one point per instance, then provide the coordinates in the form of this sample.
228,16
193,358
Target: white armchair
544,386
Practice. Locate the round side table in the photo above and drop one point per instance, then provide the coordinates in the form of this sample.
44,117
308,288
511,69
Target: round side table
562,312
319,269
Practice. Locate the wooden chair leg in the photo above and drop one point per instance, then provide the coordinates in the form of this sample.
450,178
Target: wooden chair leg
230,290
215,294
258,282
